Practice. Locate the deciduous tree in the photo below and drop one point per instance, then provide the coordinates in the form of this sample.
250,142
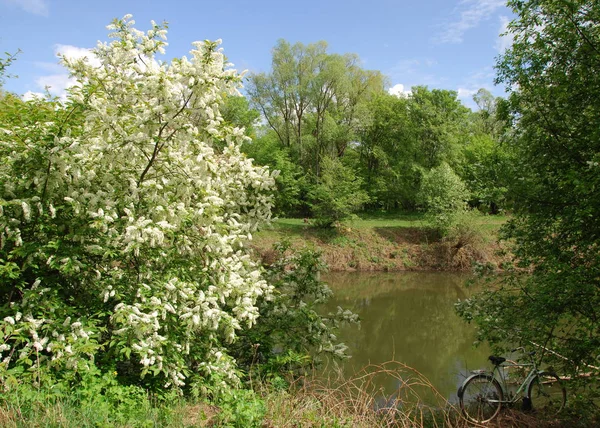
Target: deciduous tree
123,217
552,70
314,101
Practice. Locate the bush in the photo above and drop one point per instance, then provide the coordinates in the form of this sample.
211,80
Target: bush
291,333
443,196
337,195
95,400
123,217
291,182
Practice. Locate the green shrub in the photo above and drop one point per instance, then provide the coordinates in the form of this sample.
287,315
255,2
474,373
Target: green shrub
291,332
240,408
444,197
337,195
96,399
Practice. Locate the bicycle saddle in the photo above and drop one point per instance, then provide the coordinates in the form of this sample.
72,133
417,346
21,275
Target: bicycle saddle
496,360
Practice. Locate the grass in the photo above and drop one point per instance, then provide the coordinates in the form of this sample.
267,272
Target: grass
50,411
358,402
315,401
413,220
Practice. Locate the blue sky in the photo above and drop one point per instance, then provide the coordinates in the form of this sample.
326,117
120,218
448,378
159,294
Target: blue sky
448,44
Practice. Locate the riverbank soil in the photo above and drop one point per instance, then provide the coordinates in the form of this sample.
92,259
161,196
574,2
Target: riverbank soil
387,244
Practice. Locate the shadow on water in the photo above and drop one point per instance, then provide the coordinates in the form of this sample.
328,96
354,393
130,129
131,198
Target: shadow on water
410,318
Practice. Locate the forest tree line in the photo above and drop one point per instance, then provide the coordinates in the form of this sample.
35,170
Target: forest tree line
343,144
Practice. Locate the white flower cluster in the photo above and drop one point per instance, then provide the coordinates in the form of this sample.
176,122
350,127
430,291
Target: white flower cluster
167,198
160,210
40,339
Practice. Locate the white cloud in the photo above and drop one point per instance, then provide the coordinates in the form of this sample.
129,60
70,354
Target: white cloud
32,95
504,40
59,81
399,91
472,12
415,72
56,84
37,7
466,93
74,52
483,78
406,66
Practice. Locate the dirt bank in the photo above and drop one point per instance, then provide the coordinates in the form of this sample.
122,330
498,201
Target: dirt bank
386,248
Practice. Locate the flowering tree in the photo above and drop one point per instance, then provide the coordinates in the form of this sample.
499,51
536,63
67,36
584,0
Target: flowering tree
123,214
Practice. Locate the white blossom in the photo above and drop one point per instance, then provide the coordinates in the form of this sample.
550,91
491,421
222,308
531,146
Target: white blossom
26,211
168,213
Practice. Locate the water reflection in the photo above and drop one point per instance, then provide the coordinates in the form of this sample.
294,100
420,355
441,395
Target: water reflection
408,317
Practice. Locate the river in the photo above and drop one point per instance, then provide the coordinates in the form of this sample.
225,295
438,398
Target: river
409,318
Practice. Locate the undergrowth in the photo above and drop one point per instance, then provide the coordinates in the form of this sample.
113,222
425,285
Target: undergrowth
98,400
316,400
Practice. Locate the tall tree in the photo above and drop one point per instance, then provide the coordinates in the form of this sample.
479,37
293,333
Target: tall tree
313,100
486,117
486,163
387,153
440,120
406,136
553,72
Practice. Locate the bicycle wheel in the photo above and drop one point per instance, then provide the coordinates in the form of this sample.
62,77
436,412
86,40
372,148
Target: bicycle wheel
480,398
547,393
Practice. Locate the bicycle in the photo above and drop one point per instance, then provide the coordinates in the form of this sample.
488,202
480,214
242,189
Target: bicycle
481,395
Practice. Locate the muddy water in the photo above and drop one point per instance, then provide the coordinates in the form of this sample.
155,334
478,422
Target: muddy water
409,318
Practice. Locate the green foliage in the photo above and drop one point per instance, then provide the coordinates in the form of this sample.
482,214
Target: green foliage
387,152
96,399
440,122
4,64
291,332
403,137
486,170
237,112
292,184
240,408
552,300
487,158
319,106
38,264
488,119
337,195
313,101
443,196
